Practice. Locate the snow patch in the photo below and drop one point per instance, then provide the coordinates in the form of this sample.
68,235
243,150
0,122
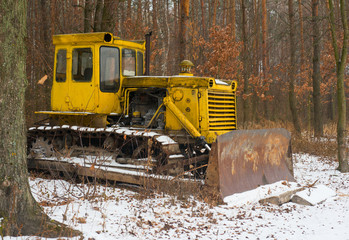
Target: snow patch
165,140
316,195
265,191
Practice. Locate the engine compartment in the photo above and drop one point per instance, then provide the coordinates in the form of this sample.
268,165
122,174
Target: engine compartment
145,109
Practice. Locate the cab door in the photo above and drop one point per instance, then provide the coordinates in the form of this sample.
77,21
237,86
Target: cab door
82,91
60,86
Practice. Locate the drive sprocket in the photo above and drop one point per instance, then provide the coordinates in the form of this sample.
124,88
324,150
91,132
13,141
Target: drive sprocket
41,148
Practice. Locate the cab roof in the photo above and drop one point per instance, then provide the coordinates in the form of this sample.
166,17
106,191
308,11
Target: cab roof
94,38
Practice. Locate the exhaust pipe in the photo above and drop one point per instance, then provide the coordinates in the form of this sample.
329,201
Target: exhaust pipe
147,53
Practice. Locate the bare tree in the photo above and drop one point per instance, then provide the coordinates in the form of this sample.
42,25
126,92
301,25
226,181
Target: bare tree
318,126
109,16
233,21
291,95
88,16
98,16
203,17
264,38
184,14
246,73
341,60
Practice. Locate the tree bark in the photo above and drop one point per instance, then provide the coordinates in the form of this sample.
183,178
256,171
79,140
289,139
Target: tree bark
203,18
184,7
301,30
88,16
256,39
291,95
214,17
225,13
233,21
155,24
139,13
264,38
19,212
318,126
129,10
108,18
246,72
341,60
98,16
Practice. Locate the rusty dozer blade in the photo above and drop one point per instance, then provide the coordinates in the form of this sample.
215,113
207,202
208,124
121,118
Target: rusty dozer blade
242,160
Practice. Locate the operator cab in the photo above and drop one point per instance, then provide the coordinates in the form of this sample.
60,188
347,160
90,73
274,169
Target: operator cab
89,70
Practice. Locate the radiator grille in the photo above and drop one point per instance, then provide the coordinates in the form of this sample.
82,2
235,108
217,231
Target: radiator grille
221,111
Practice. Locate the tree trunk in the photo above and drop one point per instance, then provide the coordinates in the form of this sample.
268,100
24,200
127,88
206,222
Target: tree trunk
203,18
256,26
139,13
256,60
264,38
318,126
129,10
291,95
184,7
214,17
155,24
98,16
88,16
147,13
45,51
225,14
301,29
341,60
233,21
19,212
265,54
108,18
246,72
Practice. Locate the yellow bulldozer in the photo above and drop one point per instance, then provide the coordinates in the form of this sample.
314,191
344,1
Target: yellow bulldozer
103,102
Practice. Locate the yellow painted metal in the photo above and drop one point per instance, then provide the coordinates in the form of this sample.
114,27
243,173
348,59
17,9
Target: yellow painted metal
208,103
79,38
177,114
188,105
81,96
127,92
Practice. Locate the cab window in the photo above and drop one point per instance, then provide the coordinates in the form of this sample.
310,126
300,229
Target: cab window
82,64
61,65
109,69
139,64
128,62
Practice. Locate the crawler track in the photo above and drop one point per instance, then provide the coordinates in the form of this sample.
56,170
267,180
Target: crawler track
117,154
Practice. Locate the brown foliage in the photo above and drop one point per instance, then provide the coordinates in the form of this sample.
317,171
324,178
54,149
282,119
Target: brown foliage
221,54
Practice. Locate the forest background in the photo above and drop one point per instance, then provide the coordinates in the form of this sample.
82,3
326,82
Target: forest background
280,51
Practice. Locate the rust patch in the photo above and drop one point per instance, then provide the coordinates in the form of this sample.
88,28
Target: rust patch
249,158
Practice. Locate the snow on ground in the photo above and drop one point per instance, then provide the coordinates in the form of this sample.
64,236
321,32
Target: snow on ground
115,213
262,192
